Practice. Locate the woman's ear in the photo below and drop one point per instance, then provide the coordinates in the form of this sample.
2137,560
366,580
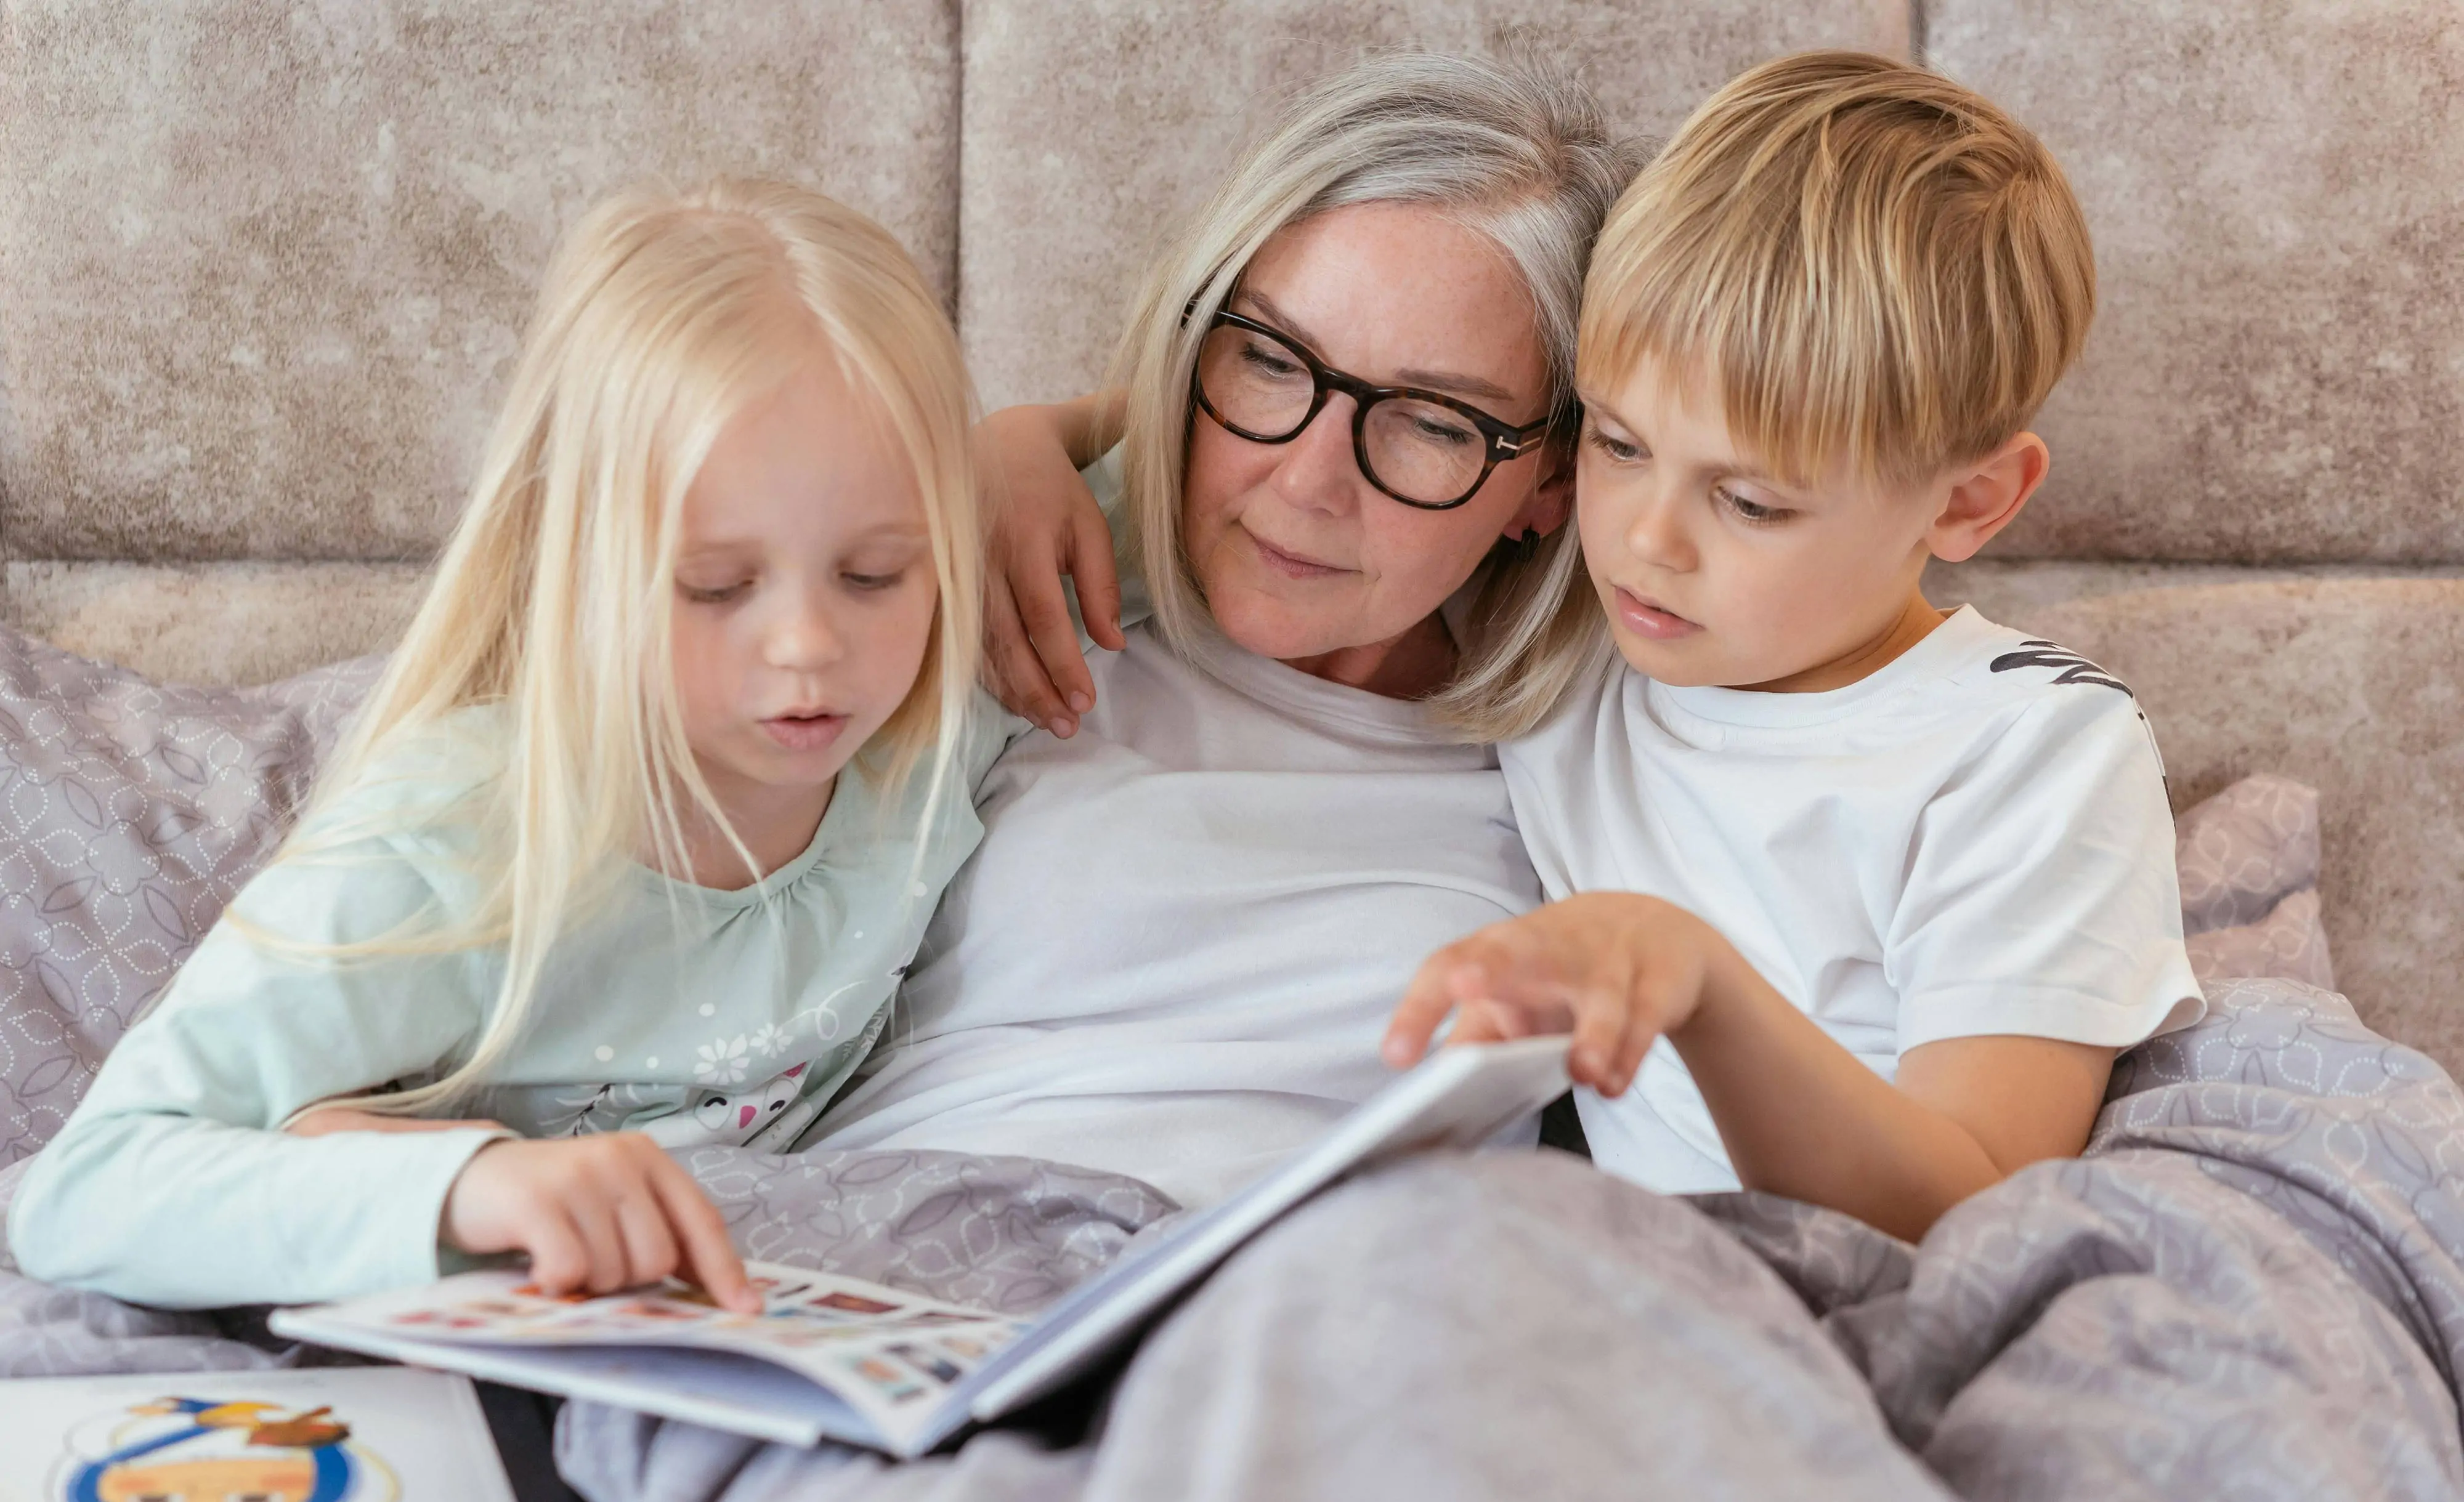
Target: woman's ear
1550,504
1988,497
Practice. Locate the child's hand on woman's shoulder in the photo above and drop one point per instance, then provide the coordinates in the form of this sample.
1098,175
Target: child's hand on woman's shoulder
599,1213
1616,970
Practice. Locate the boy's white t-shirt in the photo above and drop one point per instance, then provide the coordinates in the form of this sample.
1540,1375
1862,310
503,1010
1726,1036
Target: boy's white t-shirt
1973,840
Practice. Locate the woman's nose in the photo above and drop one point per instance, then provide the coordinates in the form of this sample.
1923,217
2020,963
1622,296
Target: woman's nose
1317,469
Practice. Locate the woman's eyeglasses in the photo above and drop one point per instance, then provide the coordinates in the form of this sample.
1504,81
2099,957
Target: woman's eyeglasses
1422,447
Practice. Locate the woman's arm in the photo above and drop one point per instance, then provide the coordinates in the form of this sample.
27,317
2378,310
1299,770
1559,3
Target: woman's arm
1046,523
1799,1115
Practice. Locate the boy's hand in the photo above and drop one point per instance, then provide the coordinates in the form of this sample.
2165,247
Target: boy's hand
600,1213
1044,523
1616,968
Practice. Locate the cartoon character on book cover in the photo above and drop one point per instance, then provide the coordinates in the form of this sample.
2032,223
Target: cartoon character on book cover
194,1449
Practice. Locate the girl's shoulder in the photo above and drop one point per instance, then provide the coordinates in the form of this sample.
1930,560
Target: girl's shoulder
421,790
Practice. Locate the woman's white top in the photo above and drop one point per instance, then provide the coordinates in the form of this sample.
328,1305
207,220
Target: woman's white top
1973,839
1176,950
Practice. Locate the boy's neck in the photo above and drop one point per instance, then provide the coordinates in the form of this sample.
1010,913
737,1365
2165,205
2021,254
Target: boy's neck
1913,625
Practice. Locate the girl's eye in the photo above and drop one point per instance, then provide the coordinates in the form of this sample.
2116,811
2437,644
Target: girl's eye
714,597
873,581
1753,512
1617,448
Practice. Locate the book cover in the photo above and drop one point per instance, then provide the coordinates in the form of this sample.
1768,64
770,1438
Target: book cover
319,1434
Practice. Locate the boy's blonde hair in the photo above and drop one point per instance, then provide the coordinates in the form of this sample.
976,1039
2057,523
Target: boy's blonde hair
1877,267
665,315
1518,151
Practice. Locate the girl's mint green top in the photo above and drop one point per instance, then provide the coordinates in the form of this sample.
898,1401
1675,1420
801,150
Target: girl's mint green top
696,1015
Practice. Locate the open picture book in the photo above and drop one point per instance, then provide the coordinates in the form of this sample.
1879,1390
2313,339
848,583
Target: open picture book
834,1357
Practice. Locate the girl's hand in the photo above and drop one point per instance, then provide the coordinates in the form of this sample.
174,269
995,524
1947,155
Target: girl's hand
326,1119
1616,970
1044,523
599,1213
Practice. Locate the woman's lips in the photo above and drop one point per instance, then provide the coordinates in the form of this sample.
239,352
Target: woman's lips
804,732
1646,620
1288,564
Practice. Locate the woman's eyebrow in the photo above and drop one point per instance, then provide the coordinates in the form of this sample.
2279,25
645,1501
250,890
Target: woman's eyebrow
1452,380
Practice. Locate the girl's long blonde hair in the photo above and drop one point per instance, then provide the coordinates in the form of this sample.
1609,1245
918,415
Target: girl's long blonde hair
664,316
1516,150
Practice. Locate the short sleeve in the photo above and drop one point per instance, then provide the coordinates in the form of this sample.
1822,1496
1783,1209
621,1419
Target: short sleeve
2040,898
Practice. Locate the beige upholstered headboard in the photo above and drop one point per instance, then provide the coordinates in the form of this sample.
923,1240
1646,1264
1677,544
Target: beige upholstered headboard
265,263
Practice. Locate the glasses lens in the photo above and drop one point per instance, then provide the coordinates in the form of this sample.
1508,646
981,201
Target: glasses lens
1422,451
1254,381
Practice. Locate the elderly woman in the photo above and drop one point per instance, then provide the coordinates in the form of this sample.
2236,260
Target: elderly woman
1345,464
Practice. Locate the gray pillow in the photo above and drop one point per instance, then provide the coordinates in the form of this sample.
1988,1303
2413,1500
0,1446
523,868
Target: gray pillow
2249,860
130,812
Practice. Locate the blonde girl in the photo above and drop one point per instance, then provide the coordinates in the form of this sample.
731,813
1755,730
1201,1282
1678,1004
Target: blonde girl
636,835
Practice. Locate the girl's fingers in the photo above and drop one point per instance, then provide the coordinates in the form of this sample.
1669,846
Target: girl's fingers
1600,1016
649,1247
706,1249
559,1263
1092,576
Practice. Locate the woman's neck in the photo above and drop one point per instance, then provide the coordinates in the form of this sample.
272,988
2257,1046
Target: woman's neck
776,825
1411,665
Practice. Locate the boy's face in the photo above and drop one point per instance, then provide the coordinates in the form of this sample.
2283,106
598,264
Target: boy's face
1712,571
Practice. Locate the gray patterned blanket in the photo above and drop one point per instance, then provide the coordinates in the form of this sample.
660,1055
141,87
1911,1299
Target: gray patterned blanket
2250,1286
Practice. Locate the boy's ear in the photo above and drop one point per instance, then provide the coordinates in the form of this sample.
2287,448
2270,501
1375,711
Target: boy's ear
1550,504
1986,497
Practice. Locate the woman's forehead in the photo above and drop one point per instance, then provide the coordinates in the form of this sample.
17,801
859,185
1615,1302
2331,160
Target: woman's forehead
1403,294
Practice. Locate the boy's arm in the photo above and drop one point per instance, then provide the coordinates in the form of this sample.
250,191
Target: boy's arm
1799,1115
1045,523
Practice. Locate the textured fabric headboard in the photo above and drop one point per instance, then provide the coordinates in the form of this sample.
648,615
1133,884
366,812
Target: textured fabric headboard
265,263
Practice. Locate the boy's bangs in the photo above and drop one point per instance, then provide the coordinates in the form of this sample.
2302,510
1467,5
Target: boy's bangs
1794,364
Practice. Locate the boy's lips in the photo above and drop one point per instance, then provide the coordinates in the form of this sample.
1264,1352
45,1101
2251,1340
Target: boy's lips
1645,618
804,732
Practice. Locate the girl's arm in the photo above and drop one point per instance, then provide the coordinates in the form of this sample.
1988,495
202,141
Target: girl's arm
172,1184
1799,1115
1046,523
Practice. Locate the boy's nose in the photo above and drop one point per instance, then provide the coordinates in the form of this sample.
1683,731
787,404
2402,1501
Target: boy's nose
1657,534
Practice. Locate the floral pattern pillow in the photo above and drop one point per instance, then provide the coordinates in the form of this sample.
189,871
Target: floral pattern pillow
130,812
2249,860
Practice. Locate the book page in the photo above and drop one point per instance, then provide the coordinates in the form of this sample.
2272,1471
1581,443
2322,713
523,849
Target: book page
321,1434
890,1353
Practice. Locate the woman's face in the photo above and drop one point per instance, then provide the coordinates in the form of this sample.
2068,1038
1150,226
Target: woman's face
1300,556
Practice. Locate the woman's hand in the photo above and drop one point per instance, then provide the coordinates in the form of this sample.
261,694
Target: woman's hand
598,1214
1044,523
1614,969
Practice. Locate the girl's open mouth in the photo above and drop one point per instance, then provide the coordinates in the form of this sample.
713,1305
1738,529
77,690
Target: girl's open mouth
804,732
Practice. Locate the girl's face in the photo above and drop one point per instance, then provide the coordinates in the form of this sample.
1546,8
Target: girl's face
805,603
1299,554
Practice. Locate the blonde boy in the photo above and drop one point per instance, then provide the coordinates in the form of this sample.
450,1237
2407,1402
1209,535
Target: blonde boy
1880,888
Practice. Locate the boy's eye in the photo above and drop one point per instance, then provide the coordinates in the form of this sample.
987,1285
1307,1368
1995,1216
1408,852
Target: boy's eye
715,595
1617,448
1754,511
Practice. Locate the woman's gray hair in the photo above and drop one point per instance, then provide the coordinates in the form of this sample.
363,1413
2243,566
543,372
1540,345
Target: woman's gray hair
1517,150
